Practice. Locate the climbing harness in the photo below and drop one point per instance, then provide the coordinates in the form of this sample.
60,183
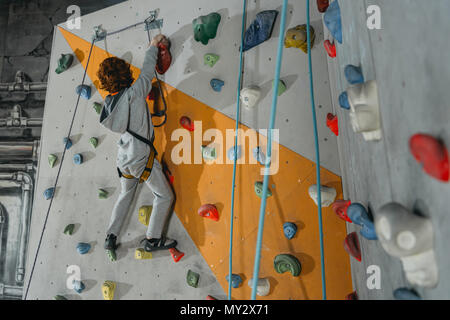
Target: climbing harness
99,34
262,210
238,108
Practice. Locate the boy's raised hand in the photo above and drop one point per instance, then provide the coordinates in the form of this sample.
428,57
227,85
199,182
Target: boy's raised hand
158,39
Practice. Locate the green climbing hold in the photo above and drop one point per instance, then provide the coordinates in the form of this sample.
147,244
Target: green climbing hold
259,189
64,63
111,255
192,278
211,59
281,87
94,142
209,153
205,27
59,297
69,229
52,160
287,262
97,107
102,194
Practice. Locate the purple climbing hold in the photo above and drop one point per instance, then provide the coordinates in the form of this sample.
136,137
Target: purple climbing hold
353,74
332,20
260,30
343,101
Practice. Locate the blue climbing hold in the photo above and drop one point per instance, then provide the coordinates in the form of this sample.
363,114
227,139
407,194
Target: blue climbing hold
260,30
231,154
353,74
49,193
78,286
358,214
259,156
332,20
290,229
343,101
84,91
68,143
83,248
78,158
406,294
236,280
217,84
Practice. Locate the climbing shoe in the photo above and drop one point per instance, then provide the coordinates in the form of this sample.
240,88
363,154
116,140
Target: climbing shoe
158,244
111,246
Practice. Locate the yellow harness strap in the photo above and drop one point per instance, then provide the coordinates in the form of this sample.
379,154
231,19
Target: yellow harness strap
147,171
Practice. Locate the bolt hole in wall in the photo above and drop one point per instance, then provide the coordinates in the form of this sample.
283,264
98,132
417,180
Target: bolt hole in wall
27,51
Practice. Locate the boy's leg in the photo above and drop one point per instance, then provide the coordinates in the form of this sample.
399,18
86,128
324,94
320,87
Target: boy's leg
122,205
162,202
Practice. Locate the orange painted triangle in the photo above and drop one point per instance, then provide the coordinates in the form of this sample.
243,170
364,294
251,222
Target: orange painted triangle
81,48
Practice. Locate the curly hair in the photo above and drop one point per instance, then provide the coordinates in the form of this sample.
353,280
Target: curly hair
114,74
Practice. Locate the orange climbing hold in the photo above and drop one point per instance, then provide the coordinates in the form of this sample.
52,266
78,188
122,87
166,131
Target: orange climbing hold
330,48
432,154
340,208
187,123
332,123
176,255
164,57
351,245
209,211
322,5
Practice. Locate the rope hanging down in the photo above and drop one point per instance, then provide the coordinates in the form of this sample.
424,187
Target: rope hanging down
99,35
316,139
262,210
238,112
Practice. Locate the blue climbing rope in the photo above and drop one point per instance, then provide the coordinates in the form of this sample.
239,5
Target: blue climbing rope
238,111
262,210
316,139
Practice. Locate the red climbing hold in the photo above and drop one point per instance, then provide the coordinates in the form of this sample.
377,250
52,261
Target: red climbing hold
332,123
340,208
352,296
432,154
351,245
176,255
187,123
330,48
209,211
164,57
210,298
322,5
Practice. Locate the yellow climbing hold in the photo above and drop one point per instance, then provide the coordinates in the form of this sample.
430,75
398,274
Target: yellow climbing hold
108,289
141,254
144,214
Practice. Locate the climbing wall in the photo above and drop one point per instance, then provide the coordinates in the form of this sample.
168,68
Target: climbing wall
205,242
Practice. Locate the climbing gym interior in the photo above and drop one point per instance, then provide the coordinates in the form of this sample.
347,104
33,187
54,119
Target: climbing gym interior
304,143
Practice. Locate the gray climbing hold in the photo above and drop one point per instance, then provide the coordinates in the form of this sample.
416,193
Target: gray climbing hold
232,156
83,247
259,155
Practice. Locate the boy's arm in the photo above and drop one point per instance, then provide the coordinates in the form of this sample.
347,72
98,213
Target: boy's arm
143,84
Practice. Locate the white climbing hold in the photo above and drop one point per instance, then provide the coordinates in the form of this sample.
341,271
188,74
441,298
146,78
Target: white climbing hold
328,195
262,288
365,110
409,237
250,96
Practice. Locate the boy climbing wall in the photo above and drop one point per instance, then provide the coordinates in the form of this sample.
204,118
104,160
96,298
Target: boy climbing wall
125,111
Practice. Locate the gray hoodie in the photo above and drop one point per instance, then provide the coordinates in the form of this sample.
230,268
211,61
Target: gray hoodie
131,111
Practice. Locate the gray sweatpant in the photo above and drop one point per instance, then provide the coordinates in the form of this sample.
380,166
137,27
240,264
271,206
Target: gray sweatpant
162,202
